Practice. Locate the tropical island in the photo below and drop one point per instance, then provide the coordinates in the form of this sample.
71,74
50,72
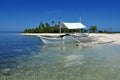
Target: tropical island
54,28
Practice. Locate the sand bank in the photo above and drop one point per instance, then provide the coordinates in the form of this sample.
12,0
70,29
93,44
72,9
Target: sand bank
41,34
109,37
102,37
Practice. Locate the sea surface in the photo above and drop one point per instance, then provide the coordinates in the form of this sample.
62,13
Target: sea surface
27,58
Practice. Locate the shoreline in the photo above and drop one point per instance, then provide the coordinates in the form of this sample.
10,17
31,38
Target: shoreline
115,37
41,34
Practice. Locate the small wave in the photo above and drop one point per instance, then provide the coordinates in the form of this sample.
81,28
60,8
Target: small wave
18,50
73,59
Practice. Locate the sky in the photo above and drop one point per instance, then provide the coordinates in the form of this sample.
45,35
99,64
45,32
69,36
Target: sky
17,15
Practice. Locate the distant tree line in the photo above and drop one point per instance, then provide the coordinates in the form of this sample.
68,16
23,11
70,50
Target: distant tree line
44,28
54,28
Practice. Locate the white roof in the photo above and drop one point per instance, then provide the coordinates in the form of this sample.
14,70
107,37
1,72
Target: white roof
73,25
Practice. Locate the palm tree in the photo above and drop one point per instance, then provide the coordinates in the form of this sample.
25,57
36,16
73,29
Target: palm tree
53,22
41,25
47,25
93,29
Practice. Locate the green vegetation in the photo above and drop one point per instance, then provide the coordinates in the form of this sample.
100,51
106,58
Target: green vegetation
93,29
54,28
47,28
44,28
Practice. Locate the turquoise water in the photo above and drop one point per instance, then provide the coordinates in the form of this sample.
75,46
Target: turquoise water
26,58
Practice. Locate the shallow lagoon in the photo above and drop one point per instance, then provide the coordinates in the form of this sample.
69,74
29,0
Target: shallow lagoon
35,61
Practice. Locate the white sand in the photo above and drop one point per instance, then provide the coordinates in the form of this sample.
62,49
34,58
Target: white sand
41,34
109,37
102,37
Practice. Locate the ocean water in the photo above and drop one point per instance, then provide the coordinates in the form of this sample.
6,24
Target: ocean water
26,58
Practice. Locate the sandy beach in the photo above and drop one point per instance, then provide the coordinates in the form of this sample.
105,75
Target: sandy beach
103,37
109,37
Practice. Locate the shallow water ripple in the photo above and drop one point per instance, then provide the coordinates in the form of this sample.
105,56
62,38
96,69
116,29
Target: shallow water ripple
60,62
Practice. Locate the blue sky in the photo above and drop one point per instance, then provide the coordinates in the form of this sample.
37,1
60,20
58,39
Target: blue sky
16,15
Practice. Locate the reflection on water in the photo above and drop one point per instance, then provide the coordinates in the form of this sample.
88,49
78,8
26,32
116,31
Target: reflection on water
66,62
